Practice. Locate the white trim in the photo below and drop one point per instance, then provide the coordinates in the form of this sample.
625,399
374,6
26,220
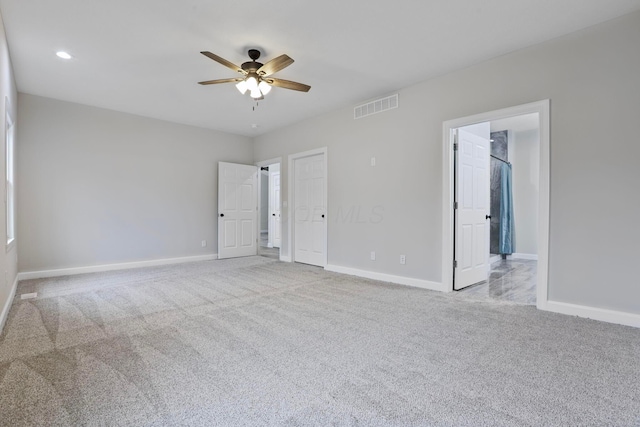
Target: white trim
10,245
601,314
533,257
10,160
26,275
291,202
284,258
400,280
543,110
7,305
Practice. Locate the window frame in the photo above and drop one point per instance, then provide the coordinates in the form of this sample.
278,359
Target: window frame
10,195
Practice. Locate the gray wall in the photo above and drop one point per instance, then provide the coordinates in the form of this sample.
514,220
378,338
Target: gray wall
524,154
592,80
100,187
8,258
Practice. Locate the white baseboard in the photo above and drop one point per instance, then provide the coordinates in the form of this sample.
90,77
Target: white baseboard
533,257
285,258
401,280
601,314
26,275
7,305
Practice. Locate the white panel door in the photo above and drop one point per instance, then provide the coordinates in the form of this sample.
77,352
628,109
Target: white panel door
275,221
309,210
472,196
237,210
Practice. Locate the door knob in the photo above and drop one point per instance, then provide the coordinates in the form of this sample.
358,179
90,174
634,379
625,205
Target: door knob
273,214
221,214
487,217
322,215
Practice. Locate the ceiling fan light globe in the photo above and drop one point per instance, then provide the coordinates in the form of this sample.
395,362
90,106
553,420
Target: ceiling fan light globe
252,83
242,87
264,87
255,94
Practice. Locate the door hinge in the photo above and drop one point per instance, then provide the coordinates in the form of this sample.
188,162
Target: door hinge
455,264
455,146
455,205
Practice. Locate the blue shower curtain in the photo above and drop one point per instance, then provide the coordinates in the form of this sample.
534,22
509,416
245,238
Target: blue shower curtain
507,227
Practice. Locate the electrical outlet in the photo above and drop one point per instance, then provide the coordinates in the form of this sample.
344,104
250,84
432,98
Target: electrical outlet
204,243
373,256
403,259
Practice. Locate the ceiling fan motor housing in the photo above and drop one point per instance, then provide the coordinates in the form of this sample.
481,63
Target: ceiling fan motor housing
251,66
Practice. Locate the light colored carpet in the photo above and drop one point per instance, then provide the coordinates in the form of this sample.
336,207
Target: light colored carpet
257,342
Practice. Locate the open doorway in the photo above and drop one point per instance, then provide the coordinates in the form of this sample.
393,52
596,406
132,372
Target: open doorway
269,210
519,272
513,191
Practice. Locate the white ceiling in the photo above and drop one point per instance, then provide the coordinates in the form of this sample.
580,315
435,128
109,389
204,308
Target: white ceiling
142,56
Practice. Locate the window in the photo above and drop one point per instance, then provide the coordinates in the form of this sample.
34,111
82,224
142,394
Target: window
9,136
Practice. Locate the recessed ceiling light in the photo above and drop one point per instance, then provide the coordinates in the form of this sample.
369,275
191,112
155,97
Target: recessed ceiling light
63,55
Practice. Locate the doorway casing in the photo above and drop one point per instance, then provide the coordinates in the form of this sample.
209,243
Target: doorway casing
543,110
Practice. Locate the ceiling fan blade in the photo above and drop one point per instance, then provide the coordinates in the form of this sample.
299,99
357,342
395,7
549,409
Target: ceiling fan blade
224,62
287,84
275,65
213,82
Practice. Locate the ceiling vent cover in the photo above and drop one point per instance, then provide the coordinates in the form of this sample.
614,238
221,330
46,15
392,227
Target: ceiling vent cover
374,107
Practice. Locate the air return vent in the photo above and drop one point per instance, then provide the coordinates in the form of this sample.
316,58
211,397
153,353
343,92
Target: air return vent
377,106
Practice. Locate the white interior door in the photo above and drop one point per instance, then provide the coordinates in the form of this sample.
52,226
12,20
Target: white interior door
309,210
472,197
275,218
237,210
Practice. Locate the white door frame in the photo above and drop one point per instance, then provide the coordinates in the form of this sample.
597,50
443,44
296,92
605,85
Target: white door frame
290,191
543,110
259,165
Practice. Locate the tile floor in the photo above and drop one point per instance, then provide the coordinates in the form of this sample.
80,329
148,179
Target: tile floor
512,280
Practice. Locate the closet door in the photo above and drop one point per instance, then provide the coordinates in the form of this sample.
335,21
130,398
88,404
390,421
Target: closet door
237,210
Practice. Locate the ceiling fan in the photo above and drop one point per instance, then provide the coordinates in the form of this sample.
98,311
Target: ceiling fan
256,77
